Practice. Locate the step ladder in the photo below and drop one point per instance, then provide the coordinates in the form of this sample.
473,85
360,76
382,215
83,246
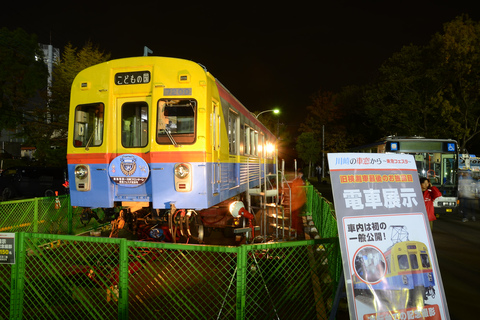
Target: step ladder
270,201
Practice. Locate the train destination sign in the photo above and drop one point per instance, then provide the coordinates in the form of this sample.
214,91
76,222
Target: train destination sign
389,260
7,248
128,78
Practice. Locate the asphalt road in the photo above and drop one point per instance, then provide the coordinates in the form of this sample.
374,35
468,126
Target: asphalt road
457,245
458,253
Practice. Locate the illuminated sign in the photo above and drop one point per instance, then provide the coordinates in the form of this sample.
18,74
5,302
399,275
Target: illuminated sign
7,248
128,78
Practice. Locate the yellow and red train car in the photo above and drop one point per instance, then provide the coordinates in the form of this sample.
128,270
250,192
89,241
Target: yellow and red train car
161,133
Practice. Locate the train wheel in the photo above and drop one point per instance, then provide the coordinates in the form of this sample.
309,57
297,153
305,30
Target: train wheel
85,216
197,230
49,193
7,193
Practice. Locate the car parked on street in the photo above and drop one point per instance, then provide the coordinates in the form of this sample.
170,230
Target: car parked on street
30,182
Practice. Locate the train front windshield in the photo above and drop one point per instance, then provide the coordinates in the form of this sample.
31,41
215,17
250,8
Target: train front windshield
176,121
439,168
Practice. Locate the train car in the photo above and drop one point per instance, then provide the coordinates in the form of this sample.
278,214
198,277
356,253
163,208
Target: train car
404,272
162,134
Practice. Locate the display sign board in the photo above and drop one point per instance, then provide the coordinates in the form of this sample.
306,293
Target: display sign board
389,259
7,248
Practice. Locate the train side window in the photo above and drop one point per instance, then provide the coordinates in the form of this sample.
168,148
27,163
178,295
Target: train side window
134,124
403,261
247,140
176,121
88,127
414,261
233,125
254,142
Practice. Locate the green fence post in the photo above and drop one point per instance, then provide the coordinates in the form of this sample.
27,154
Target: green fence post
309,203
17,277
35,215
241,281
123,281
69,216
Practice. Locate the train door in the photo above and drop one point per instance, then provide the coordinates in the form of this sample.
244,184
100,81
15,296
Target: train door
132,139
216,174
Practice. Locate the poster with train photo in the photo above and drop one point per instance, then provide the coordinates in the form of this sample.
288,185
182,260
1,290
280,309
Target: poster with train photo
389,259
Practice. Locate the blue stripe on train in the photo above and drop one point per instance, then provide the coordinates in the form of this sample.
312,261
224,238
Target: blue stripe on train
159,187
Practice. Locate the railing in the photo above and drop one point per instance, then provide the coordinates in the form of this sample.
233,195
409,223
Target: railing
58,276
71,277
51,215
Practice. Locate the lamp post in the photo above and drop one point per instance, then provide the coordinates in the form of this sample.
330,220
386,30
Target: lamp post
272,110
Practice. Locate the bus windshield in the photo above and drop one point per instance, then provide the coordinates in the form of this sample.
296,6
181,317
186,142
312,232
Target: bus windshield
439,168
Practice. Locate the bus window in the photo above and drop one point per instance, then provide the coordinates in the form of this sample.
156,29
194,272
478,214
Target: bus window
403,261
429,165
88,130
134,124
176,121
449,170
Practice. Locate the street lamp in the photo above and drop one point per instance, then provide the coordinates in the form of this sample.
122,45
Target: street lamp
272,110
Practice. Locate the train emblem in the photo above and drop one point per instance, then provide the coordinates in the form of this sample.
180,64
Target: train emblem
128,175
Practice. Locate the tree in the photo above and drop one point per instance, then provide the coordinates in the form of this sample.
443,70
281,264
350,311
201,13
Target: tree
431,90
309,149
51,126
23,76
402,100
459,98
325,115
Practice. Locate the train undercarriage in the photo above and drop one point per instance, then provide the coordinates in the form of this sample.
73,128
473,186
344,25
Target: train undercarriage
173,225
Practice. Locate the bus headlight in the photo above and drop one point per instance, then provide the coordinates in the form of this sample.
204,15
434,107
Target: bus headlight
82,177
183,177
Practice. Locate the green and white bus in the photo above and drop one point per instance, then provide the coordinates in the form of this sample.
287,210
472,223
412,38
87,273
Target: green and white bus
436,159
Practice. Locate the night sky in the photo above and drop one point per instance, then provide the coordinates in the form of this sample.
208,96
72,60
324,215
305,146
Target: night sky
267,55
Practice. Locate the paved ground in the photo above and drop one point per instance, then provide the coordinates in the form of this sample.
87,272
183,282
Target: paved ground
458,253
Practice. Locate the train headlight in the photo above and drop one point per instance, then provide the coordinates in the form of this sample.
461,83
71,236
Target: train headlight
82,177
183,177
81,172
182,171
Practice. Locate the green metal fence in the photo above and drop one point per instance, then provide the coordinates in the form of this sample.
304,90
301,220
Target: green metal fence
62,276
51,215
59,276
322,213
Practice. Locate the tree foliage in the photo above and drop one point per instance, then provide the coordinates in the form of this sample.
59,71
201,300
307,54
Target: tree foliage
431,90
326,121
309,148
50,132
23,76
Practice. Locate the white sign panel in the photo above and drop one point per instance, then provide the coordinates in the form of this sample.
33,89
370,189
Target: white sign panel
389,258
